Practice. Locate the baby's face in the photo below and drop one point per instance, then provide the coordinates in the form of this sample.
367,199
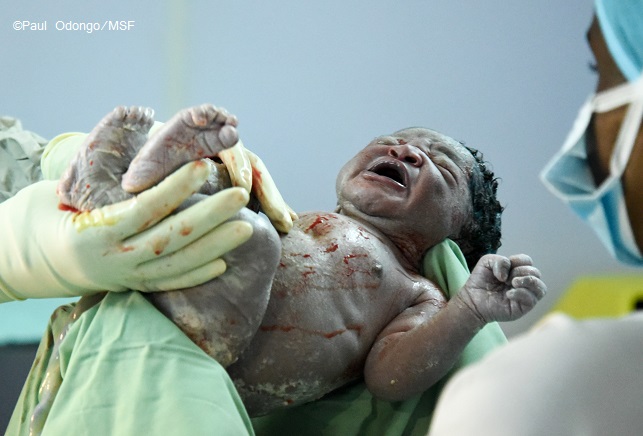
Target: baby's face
412,185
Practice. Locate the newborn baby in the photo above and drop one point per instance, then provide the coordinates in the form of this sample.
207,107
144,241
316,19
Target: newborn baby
340,296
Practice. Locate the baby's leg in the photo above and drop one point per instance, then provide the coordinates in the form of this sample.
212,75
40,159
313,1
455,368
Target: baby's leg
192,134
223,315
94,177
220,316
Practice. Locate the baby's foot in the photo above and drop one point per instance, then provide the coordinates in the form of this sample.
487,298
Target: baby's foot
191,134
94,177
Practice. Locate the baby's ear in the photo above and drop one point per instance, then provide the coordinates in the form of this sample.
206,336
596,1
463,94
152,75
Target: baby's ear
338,209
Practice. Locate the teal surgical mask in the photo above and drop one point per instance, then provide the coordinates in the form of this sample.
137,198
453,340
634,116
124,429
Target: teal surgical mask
568,175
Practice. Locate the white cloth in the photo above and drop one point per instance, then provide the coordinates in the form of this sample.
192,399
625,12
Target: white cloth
564,378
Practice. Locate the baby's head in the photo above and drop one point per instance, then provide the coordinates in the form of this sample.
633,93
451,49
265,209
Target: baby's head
481,235
419,187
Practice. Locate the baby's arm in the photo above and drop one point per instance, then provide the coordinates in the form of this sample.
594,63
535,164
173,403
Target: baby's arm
421,345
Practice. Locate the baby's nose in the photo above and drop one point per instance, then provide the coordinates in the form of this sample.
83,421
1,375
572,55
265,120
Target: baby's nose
406,153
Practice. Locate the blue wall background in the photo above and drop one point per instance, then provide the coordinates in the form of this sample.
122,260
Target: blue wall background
313,82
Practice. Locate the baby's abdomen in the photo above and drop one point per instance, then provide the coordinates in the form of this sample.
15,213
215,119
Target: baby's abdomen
325,310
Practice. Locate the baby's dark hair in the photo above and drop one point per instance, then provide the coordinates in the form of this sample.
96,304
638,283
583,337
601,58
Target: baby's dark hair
482,234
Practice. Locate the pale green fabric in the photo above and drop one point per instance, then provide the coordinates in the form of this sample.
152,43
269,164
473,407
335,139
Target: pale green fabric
127,370
20,152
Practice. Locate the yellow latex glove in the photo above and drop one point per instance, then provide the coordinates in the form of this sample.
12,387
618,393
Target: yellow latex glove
206,131
48,252
249,172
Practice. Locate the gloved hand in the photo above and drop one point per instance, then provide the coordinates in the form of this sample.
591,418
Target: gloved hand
501,288
48,252
249,172
205,131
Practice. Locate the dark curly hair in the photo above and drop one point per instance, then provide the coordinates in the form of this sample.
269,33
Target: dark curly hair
482,234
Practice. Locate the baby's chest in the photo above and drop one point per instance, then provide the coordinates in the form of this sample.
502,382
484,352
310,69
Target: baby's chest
328,252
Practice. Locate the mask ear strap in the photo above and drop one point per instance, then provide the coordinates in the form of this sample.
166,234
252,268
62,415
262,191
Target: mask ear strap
627,136
618,96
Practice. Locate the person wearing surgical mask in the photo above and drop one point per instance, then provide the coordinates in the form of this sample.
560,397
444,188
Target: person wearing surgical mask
599,170
577,377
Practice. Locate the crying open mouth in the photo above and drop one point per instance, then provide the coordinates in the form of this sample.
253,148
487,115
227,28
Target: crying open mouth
391,171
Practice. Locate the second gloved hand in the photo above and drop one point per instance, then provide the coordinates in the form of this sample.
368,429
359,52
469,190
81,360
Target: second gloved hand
47,252
248,171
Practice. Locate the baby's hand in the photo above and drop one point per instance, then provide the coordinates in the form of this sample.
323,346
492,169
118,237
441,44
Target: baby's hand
502,289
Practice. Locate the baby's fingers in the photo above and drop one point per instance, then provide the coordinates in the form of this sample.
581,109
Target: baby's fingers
524,298
520,260
500,266
529,284
523,271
